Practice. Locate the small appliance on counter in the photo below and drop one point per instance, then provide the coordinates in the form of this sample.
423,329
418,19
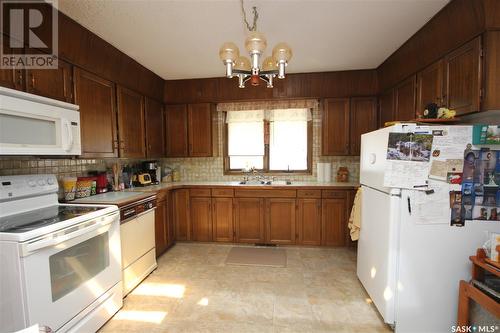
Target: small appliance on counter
142,179
149,173
153,169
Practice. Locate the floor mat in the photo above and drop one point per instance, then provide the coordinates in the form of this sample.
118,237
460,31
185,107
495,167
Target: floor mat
256,256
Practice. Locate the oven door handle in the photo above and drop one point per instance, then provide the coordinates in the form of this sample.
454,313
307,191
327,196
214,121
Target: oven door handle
103,223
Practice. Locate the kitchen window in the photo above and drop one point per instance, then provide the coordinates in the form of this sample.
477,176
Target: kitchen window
271,141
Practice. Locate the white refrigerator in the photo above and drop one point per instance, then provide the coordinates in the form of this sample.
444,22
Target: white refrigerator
410,270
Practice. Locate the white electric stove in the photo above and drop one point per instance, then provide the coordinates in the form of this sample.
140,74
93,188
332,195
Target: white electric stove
60,263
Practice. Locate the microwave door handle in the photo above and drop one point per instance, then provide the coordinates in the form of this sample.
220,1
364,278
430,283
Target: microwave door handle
93,230
68,137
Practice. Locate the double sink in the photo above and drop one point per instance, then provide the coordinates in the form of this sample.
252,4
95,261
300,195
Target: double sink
264,182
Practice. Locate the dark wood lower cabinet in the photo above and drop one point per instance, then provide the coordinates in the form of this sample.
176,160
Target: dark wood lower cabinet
201,219
280,221
249,220
164,228
314,218
333,222
181,215
309,221
161,228
222,219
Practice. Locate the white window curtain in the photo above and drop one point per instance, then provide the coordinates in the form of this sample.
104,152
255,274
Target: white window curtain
245,132
287,141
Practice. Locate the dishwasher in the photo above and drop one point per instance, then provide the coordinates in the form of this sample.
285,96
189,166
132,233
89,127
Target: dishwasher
137,232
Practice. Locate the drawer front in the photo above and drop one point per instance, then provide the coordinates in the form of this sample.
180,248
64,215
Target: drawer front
309,193
265,193
223,192
334,194
199,192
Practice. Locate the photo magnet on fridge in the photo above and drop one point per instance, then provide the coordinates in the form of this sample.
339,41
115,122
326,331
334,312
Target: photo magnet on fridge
457,213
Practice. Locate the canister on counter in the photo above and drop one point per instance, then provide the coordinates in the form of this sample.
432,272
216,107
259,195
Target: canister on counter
69,186
176,175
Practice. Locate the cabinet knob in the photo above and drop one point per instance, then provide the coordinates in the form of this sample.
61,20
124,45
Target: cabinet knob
19,77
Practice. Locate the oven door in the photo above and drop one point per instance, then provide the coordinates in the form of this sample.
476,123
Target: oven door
66,272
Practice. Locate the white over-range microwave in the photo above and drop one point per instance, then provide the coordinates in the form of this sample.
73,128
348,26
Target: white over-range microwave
34,125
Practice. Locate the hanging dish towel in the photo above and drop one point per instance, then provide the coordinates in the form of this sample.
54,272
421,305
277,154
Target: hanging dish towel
355,218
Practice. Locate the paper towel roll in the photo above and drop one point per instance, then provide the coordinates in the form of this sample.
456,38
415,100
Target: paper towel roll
321,172
327,173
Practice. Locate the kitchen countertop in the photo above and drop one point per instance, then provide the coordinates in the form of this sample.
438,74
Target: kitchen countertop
121,198
275,185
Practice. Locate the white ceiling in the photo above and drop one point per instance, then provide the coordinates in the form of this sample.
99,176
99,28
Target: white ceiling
180,39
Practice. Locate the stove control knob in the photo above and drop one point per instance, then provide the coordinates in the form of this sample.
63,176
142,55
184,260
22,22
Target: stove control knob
50,181
31,183
41,182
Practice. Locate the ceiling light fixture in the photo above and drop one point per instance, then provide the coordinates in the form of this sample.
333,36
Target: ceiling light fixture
255,44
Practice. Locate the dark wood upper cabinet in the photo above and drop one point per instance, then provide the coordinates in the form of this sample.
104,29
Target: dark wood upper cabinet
12,78
430,86
176,128
335,127
363,120
386,107
131,123
200,129
155,133
51,83
404,99
96,98
462,79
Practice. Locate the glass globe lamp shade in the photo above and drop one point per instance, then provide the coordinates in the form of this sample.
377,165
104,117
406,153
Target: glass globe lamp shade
255,42
242,64
269,64
229,52
282,52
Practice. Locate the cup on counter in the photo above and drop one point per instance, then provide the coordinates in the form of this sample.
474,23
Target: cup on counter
69,186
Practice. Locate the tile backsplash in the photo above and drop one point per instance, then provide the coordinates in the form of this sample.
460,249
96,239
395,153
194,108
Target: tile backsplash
61,167
191,169
212,169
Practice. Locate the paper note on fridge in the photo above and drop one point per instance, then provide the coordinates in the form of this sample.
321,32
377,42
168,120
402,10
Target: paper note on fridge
432,208
440,169
407,163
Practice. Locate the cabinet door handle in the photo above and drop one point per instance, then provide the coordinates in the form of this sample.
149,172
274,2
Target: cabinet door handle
32,80
19,77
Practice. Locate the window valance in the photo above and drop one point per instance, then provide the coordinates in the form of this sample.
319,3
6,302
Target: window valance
293,110
269,115
269,105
